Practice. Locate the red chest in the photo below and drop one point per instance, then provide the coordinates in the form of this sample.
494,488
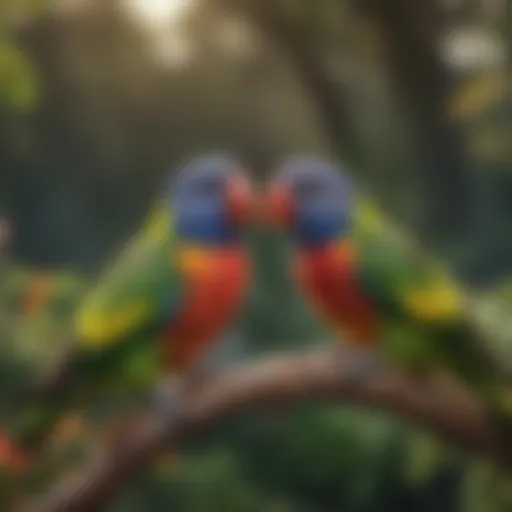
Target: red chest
213,298
330,281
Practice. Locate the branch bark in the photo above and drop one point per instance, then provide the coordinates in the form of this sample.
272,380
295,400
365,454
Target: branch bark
437,403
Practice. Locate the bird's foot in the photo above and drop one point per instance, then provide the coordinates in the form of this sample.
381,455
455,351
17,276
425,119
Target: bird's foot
361,366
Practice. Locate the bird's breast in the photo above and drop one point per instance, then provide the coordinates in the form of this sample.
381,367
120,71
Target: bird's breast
330,280
216,284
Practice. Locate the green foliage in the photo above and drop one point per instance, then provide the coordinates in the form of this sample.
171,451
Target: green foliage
304,459
426,457
484,488
76,176
18,83
492,309
31,343
212,482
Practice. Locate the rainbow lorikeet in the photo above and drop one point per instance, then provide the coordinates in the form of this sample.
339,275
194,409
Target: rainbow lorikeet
389,302
178,283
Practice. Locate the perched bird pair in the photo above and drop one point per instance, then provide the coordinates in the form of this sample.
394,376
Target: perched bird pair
182,279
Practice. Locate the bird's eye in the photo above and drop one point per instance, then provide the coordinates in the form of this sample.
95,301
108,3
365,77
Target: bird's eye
307,189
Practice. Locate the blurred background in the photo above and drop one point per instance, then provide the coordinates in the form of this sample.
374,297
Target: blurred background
100,100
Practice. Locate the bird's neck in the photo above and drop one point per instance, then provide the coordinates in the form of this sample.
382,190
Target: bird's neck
198,261
209,245
343,246
206,230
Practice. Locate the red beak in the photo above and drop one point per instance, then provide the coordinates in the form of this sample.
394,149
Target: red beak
280,208
240,200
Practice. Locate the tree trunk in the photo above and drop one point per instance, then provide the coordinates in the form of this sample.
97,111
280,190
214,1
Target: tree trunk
322,90
410,31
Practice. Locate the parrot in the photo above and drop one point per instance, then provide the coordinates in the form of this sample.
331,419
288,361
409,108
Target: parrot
391,303
159,306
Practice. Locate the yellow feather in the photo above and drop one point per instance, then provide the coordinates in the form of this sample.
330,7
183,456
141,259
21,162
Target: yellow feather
159,224
98,325
369,217
371,222
98,329
194,261
440,303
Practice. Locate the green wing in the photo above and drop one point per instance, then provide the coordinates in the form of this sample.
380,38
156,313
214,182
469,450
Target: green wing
399,278
116,327
141,289
421,300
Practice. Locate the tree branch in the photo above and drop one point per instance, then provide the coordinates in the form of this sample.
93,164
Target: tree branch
437,403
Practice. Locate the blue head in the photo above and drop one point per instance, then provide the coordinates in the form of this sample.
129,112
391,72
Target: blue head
312,199
212,201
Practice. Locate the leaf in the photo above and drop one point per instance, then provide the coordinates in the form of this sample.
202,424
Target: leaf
491,144
18,84
485,490
425,458
491,312
477,97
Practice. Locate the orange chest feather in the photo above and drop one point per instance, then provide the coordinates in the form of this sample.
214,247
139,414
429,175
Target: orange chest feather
214,296
330,281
